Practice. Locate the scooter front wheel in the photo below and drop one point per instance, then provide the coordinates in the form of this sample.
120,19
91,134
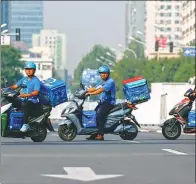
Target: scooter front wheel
171,129
67,133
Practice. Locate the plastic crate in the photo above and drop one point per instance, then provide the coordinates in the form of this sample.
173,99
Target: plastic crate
137,92
52,92
132,79
90,120
191,119
15,120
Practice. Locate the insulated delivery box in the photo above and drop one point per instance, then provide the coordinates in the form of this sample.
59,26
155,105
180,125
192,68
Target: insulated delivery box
52,92
192,119
136,90
89,119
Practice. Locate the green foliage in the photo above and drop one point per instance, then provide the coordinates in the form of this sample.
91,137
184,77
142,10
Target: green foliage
10,64
162,70
89,61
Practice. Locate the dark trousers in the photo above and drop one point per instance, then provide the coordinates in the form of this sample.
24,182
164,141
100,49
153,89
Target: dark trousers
102,110
25,106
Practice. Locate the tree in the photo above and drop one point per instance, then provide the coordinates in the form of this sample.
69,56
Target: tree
89,61
10,64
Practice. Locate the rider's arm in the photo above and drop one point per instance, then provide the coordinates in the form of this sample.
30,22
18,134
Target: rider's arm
36,90
18,84
13,86
98,91
34,93
91,90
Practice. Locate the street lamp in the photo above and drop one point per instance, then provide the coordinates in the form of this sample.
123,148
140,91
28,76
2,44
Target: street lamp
4,31
3,25
109,54
143,43
98,60
135,55
110,61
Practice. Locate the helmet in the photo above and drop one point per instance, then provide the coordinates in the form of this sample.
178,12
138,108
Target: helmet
30,65
104,69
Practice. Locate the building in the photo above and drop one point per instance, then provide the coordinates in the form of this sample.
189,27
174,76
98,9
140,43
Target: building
28,16
188,23
137,19
43,60
163,23
5,14
57,44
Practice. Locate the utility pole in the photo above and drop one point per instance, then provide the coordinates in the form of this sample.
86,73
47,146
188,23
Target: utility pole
127,12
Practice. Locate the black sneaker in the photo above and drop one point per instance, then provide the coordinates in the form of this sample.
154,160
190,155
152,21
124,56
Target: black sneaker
91,137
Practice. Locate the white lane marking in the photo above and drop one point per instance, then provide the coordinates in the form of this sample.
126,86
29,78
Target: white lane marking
130,141
175,152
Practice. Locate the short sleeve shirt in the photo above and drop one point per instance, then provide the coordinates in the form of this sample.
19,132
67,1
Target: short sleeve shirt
32,85
109,93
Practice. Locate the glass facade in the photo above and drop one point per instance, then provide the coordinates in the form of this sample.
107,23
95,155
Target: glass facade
5,14
28,16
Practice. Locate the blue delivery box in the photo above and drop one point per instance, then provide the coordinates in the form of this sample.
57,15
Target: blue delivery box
136,91
192,119
52,92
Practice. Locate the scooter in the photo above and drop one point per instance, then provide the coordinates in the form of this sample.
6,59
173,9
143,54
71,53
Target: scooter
119,121
39,120
171,128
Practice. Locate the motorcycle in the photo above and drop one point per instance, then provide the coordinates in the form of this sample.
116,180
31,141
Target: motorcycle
39,120
171,128
119,121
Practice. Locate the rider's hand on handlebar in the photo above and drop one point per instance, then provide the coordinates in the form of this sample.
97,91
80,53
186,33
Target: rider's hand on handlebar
87,94
23,95
193,94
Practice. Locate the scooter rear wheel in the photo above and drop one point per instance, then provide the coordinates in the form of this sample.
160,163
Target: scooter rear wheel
42,134
130,135
67,133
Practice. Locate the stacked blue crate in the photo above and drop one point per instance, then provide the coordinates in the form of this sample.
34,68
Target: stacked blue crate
137,91
52,92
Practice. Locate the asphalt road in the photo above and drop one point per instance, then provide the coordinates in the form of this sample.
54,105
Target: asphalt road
149,159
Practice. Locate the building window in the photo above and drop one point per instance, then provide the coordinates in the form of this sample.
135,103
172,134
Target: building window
177,7
177,22
168,21
162,7
177,29
177,14
168,7
177,37
46,67
39,67
162,14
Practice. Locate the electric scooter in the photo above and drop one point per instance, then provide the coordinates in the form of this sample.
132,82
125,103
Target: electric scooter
171,128
39,120
119,121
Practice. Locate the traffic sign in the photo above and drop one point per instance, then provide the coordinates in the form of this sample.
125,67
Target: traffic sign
189,51
5,40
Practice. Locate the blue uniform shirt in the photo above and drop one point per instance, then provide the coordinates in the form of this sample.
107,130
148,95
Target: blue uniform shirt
32,85
109,93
